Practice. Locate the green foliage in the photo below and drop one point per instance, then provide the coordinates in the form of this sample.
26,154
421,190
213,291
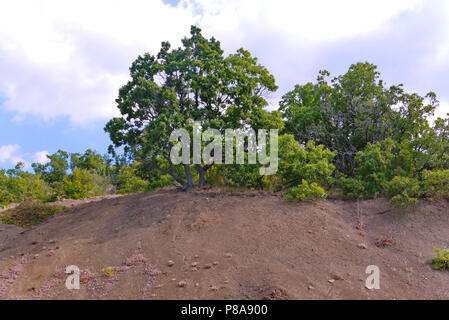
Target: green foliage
441,260
352,187
90,161
306,191
355,109
435,182
296,163
302,171
55,170
128,182
83,184
29,213
195,82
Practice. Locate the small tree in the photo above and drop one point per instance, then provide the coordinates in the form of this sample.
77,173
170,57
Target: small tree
176,87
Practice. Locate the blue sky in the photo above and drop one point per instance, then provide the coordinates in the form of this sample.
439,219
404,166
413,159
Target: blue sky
61,63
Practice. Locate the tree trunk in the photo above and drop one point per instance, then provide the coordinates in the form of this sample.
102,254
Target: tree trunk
189,185
201,173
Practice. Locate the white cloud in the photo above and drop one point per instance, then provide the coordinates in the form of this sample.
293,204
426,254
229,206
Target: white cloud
68,58
41,157
10,154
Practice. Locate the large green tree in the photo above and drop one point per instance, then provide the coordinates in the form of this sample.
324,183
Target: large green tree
170,90
352,110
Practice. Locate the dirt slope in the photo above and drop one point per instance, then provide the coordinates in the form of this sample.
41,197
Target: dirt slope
226,246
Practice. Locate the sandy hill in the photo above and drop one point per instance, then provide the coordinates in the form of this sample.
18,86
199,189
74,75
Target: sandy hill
212,245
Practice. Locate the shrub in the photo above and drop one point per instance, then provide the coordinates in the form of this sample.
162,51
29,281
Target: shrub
352,187
403,191
128,182
441,261
29,213
306,191
435,182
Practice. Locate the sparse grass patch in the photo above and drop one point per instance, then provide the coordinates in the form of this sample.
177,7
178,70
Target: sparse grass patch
441,260
29,213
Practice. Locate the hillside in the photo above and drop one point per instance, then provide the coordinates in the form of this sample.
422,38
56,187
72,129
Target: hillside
218,245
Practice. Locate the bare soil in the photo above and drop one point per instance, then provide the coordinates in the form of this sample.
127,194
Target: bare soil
223,245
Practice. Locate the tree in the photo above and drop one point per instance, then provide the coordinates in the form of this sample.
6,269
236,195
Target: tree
176,87
55,170
90,161
353,110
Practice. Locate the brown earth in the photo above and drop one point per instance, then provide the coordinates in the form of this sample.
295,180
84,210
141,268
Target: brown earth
223,245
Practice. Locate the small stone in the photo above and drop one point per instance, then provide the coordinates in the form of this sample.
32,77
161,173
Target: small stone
228,255
182,284
207,266
170,263
194,269
331,281
361,246
194,264
36,256
336,277
215,263
226,281
153,295
213,288
197,284
310,287
52,241
407,269
196,256
173,279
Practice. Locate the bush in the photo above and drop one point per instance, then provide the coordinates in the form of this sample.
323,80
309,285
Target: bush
83,184
403,191
441,261
435,182
306,191
352,187
29,213
296,163
128,182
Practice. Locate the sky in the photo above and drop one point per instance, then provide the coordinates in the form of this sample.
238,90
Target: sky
62,62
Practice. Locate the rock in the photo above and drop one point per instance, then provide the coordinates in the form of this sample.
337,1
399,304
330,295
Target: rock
336,277
182,284
310,287
36,256
213,288
170,263
197,284
207,266
194,269
52,241
194,264
196,256
215,263
361,246
331,281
